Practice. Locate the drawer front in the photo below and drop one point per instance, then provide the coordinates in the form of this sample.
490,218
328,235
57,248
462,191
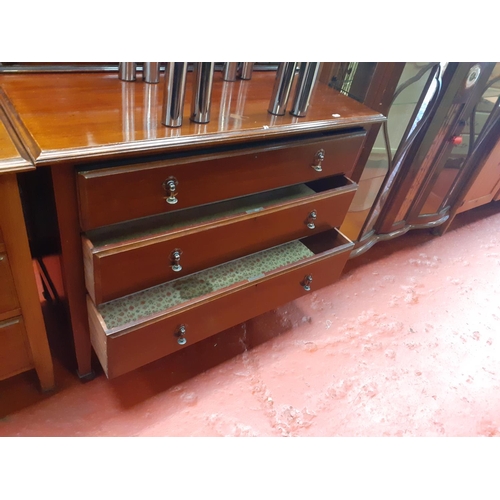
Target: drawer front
133,266
126,350
8,296
14,351
113,195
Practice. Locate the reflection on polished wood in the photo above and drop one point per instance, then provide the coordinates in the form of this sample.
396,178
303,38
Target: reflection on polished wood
486,185
80,116
353,222
439,191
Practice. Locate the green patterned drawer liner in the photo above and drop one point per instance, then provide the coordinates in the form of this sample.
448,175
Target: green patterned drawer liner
140,305
183,218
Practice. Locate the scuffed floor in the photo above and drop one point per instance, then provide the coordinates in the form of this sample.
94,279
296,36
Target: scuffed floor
407,343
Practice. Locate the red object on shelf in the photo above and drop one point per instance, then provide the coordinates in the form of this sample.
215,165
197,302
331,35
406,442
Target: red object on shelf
456,140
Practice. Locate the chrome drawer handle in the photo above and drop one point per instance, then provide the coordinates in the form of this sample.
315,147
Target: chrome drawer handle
306,282
181,331
175,257
318,158
310,219
170,186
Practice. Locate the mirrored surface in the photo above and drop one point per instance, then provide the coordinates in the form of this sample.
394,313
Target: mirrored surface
399,117
473,127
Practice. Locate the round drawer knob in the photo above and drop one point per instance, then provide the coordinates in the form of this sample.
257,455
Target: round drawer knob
180,332
318,159
306,282
175,258
170,186
311,219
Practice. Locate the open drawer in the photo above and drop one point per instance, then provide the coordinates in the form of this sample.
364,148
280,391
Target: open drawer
133,256
132,331
130,257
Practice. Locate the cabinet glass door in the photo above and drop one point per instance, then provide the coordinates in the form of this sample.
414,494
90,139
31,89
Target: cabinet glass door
453,169
415,90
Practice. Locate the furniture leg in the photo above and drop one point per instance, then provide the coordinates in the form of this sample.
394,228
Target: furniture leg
72,265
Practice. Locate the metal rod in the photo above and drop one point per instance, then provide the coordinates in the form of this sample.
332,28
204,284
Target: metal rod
245,70
151,72
95,68
308,73
282,86
173,94
126,71
202,92
230,71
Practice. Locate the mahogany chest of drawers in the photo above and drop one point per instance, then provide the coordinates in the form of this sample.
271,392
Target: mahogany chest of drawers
170,236
241,234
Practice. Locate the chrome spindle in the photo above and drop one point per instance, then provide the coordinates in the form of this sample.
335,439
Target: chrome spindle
230,71
173,94
126,71
202,92
282,87
308,73
151,72
245,70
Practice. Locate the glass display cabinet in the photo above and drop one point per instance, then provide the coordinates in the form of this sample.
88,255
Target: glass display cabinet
425,157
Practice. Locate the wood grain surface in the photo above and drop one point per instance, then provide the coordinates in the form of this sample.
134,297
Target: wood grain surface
81,116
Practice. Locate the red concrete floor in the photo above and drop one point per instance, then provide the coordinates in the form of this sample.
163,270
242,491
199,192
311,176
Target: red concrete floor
407,343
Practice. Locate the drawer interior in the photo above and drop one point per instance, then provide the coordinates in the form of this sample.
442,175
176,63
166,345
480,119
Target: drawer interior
157,300
161,224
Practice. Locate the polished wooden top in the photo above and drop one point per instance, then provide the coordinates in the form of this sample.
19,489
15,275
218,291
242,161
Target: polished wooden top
10,159
71,117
